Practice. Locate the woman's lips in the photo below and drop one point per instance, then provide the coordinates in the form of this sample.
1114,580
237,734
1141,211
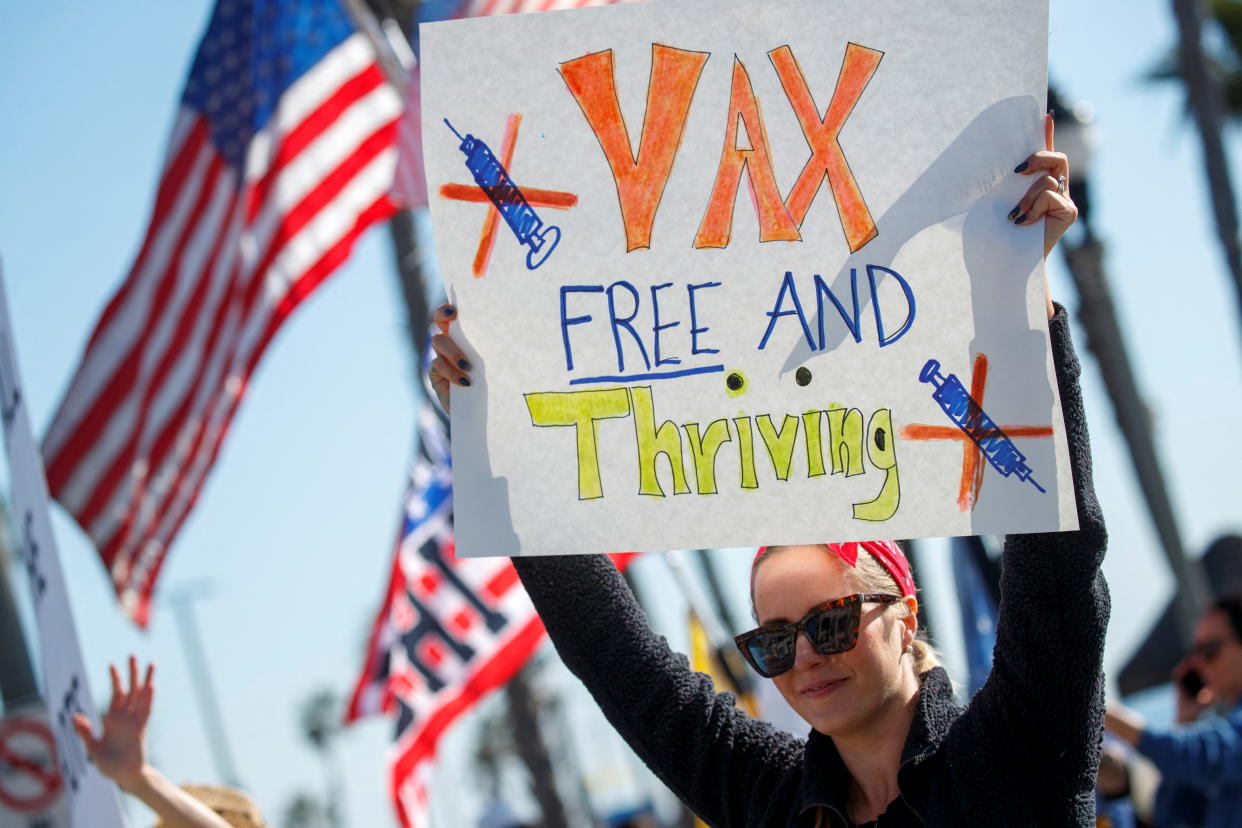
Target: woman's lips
820,689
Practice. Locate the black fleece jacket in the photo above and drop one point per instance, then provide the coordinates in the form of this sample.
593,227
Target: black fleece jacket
1023,752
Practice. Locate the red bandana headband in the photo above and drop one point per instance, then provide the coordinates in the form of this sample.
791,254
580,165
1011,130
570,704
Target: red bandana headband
887,552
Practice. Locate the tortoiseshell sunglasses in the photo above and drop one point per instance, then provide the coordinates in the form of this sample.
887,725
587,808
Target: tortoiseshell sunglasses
831,628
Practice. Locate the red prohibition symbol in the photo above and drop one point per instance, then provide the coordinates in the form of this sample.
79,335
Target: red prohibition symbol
38,785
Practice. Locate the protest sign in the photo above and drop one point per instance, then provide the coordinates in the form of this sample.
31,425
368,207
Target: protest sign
92,798
734,273
30,783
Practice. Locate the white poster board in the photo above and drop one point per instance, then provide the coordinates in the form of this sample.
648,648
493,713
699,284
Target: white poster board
91,796
725,271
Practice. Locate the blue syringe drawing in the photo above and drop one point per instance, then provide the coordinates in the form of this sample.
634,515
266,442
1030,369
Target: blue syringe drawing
956,402
510,203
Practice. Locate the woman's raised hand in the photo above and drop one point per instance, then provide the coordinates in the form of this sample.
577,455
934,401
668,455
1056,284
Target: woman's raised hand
120,751
1048,197
450,367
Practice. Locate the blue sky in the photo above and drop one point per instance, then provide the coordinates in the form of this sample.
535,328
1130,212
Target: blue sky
295,527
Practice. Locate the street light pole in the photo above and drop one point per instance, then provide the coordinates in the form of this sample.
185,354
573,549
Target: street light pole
182,603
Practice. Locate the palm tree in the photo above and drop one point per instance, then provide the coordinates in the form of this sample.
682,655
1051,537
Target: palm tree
321,724
1206,80
1223,55
305,811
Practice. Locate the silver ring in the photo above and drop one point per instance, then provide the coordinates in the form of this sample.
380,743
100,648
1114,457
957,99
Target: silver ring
1061,185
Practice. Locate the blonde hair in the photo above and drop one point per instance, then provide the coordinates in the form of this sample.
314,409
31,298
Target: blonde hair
231,805
871,577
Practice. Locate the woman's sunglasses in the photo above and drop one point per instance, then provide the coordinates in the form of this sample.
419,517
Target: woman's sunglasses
831,628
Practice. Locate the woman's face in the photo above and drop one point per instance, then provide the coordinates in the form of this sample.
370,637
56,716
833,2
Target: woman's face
845,693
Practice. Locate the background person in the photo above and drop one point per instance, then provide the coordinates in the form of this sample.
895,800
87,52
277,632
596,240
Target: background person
1200,760
120,753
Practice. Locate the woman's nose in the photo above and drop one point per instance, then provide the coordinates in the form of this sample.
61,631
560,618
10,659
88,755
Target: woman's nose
804,654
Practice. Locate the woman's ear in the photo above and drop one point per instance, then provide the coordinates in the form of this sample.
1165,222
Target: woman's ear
910,620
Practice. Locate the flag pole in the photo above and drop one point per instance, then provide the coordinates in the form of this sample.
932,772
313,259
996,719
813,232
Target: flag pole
390,41
396,58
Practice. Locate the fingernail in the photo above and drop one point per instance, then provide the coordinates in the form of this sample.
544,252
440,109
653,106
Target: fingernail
1021,219
449,310
1021,166
1013,213
1052,114
463,364
464,380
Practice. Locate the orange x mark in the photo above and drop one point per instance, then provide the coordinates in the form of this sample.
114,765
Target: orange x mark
973,463
473,193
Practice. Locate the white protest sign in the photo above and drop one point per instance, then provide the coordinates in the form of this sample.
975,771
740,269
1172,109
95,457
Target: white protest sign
30,782
92,798
750,264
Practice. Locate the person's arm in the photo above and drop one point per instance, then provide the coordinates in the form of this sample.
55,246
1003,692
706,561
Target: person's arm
1126,724
1205,753
1180,798
1044,696
120,754
716,758
1042,702
1129,724
1198,753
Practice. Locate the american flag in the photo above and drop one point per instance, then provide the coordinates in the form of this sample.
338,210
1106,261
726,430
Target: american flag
282,153
410,189
449,631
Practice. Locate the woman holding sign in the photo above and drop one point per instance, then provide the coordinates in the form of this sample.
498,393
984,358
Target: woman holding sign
888,744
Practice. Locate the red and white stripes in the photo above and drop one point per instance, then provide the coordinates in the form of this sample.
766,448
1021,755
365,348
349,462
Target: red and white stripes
227,257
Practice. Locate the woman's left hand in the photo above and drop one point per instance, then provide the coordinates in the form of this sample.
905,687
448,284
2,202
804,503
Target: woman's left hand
1048,197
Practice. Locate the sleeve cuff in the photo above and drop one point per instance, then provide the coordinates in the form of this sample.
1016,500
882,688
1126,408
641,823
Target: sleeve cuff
1064,357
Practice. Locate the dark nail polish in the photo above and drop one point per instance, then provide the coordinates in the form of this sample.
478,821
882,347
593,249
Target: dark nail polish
463,364
464,380
1021,166
1013,214
1021,219
449,310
